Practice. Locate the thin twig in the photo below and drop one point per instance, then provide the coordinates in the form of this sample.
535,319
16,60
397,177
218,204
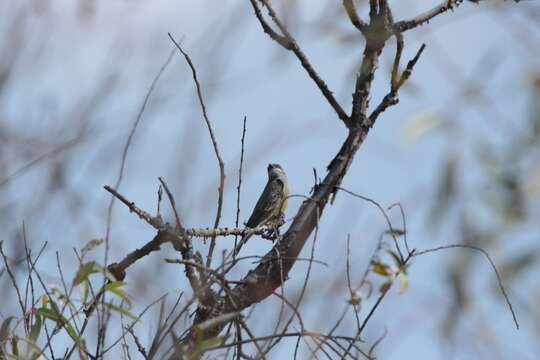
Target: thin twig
288,42
391,98
304,286
383,212
485,253
127,146
425,17
238,188
214,144
349,285
123,161
398,204
172,202
13,281
156,222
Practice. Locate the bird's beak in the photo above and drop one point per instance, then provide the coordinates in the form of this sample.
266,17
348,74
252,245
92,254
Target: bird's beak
270,166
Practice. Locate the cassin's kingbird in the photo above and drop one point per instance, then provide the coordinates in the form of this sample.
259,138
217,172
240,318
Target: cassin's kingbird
271,203
273,200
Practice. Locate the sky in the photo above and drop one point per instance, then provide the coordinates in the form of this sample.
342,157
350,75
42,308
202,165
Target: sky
68,49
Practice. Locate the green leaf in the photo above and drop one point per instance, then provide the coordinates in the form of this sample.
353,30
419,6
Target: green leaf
204,345
62,298
83,290
397,261
381,269
71,331
15,345
4,329
105,271
33,351
114,287
84,271
89,268
55,308
54,315
48,314
121,310
35,329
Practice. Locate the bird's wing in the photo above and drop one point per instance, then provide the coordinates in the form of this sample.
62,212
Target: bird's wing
266,205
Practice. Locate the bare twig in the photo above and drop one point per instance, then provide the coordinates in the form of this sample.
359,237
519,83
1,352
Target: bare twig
244,326
404,224
238,188
127,146
173,203
291,334
352,293
131,326
491,263
391,98
156,222
13,281
383,212
214,144
302,291
425,17
378,341
288,42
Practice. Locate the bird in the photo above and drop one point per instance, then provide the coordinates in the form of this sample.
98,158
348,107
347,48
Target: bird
271,204
273,200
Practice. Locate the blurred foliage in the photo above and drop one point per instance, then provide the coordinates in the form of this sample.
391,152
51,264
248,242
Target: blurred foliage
63,310
490,189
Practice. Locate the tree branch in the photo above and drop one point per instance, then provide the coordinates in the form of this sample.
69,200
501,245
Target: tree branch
425,17
350,8
214,144
288,42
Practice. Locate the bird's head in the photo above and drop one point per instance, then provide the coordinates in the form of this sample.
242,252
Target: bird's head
275,170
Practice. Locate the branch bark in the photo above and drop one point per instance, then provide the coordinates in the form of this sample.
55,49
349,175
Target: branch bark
262,281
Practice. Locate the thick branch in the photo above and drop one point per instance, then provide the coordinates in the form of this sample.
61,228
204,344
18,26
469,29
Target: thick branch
262,281
265,278
166,233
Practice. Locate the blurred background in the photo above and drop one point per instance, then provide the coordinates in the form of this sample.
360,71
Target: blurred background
460,153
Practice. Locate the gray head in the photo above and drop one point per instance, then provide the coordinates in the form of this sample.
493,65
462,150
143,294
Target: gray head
275,170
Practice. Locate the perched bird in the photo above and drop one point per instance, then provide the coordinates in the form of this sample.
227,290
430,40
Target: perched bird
271,203
273,200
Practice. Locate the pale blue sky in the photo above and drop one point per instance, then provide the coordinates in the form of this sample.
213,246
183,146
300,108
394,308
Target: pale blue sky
244,73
